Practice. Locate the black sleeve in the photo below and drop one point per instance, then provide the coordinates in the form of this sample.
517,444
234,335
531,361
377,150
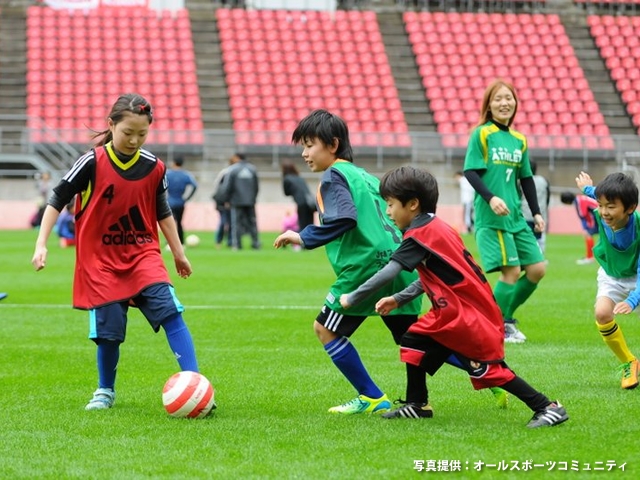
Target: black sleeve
529,190
75,181
163,210
286,186
478,185
409,254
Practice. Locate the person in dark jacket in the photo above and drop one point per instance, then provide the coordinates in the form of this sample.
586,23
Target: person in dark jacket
295,186
240,189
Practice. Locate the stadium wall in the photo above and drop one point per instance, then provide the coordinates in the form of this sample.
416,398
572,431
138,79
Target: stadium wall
202,216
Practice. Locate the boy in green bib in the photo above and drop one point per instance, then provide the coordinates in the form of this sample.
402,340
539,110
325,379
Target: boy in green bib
359,239
618,253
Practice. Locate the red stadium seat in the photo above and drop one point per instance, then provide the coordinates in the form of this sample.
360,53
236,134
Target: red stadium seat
539,59
360,44
617,39
73,40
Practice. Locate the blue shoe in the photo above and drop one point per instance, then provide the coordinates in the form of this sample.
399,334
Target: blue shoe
3,295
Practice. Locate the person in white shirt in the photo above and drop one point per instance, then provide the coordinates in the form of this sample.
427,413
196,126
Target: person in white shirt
467,194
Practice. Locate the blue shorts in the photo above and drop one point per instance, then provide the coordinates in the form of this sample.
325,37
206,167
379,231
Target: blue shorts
157,303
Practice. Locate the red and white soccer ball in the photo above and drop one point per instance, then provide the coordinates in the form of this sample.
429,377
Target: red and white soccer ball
188,395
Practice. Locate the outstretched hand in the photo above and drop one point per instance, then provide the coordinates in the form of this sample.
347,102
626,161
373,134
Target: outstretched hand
39,259
287,238
385,305
583,180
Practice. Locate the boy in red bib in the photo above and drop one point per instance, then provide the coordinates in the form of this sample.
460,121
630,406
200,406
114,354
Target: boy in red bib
464,321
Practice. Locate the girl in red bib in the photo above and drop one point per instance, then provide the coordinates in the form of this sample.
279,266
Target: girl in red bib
121,200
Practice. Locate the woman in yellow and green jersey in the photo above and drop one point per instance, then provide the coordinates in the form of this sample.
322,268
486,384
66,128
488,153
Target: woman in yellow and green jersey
497,159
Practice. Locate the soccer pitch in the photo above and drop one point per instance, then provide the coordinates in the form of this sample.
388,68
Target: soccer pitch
251,315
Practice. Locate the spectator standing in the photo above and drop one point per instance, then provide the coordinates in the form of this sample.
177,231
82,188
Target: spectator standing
180,188
224,211
467,196
295,186
543,190
240,189
43,185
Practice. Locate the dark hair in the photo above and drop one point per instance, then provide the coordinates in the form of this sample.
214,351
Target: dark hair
406,183
178,161
129,102
489,93
289,168
327,128
618,186
241,156
534,166
567,197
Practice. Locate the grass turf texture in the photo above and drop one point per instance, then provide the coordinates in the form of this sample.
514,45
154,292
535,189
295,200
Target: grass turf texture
251,316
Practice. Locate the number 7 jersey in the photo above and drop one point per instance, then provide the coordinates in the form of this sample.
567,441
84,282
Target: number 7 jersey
501,156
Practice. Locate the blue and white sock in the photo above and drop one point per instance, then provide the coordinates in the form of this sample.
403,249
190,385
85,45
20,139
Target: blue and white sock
345,356
108,356
181,343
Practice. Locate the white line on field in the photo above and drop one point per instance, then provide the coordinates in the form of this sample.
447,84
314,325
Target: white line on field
187,307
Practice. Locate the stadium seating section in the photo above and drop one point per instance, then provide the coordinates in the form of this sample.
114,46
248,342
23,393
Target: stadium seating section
279,65
458,54
78,64
618,39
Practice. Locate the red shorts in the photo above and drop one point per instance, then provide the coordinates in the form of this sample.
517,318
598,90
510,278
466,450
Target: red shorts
423,351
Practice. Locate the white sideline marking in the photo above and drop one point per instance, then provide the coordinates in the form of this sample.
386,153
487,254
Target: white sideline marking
186,307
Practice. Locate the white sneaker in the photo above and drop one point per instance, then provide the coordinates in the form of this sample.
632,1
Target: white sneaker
103,398
511,332
585,261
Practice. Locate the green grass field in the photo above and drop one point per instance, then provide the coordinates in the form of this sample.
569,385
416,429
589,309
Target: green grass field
251,316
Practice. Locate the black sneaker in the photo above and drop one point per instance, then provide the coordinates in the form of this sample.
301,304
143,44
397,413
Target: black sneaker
553,415
411,410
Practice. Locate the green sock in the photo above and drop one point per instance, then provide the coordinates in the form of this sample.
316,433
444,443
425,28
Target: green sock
522,291
504,297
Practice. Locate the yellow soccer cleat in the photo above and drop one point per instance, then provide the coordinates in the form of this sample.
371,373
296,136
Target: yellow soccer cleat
363,404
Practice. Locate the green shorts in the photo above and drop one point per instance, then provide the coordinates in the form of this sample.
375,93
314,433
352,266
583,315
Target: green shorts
507,249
